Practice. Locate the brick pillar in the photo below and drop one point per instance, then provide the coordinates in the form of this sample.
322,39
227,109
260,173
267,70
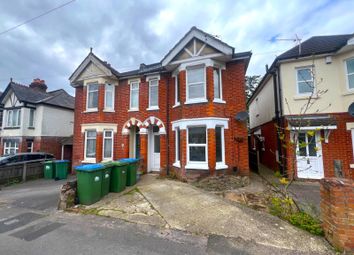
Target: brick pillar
211,151
337,212
143,152
101,89
210,90
125,148
183,159
163,154
99,147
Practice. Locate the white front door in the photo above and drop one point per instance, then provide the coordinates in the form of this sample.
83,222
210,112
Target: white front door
154,151
309,156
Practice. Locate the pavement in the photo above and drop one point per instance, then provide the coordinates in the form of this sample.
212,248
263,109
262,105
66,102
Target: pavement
179,206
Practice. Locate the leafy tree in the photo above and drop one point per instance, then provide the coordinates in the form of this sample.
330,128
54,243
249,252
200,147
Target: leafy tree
251,84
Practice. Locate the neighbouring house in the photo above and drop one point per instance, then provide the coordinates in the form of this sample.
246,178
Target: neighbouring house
36,120
176,115
325,131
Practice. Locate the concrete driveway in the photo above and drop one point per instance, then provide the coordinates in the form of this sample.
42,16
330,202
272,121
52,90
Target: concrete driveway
180,206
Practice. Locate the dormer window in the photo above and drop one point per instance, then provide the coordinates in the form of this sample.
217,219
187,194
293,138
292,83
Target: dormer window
196,86
92,97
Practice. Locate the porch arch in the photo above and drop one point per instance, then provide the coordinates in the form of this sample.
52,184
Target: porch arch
132,122
155,121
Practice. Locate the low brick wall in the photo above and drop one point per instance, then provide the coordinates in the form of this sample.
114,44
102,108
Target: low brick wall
337,211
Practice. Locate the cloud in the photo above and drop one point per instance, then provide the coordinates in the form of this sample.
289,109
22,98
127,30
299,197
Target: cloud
127,33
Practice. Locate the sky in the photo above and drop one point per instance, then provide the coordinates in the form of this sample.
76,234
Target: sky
127,33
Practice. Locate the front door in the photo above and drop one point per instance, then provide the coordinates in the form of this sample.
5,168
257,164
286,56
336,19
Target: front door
154,150
309,156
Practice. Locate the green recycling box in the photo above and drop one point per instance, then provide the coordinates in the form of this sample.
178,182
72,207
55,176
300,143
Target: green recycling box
89,183
131,169
48,169
118,176
106,177
61,169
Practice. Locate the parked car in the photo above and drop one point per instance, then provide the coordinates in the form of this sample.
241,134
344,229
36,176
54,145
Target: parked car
22,157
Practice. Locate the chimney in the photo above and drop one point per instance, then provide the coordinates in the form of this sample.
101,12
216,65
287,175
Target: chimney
39,85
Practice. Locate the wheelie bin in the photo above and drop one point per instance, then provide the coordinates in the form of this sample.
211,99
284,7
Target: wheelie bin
131,169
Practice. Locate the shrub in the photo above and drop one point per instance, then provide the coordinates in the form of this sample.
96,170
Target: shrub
306,222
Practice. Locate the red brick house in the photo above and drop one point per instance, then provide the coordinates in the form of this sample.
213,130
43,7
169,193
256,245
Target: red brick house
176,115
321,69
36,120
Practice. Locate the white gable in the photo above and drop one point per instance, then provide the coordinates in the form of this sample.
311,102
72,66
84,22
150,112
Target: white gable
91,71
11,100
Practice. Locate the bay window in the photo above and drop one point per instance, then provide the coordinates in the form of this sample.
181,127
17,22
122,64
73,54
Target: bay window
153,93
107,144
197,145
305,83
92,97
109,97
196,87
90,144
13,118
177,148
31,118
350,73
217,83
134,95
177,96
220,147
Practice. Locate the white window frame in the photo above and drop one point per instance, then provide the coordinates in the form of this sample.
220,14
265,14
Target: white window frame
134,82
31,112
218,99
31,145
297,69
111,108
199,99
203,165
177,162
347,74
153,107
9,121
8,148
91,109
89,159
221,164
103,144
177,92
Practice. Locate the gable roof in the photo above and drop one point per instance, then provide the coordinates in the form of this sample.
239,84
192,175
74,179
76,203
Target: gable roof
58,98
316,45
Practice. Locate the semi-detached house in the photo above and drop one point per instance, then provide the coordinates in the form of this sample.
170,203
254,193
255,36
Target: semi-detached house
175,115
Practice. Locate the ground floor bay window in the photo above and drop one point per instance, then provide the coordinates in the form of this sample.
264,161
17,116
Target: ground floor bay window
197,147
90,145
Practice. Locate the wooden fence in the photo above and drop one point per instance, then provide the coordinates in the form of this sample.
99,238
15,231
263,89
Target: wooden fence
21,171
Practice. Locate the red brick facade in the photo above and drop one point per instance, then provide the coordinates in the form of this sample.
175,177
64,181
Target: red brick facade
235,136
337,211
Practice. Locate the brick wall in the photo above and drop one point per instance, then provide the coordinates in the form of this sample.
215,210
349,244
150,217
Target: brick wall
337,212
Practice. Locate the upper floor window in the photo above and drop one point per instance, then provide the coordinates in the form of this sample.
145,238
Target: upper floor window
92,97
305,84
13,118
134,95
154,93
217,83
196,89
107,144
350,72
109,97
177,96
90,144
31,118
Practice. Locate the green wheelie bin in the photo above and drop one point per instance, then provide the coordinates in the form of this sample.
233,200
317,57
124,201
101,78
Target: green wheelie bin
118,176
131,169
106,177
48,169
89,183
61,169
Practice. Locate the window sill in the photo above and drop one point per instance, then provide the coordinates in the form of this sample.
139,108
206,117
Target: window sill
348,93
177,164
133,110
197,101
199,166
220,166
31,128
107,159
91,110
89,160
219,101
176,105
153,108
108,110
304,97
12,128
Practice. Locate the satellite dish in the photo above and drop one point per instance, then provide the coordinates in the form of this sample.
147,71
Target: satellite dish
241,116
351,109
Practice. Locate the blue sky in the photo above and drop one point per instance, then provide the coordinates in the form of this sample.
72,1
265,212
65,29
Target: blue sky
127,33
